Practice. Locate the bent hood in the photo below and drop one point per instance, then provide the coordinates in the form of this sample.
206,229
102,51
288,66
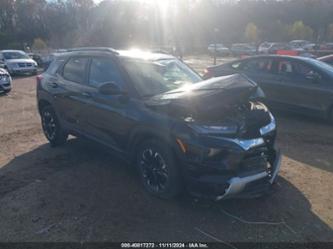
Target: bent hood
223,93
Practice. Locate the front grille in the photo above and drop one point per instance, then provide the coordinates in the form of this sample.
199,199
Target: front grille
21,64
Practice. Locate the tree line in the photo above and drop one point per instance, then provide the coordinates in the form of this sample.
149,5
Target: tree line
190,24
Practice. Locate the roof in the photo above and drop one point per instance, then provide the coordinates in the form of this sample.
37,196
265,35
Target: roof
133,53
12,50
277,56
146,55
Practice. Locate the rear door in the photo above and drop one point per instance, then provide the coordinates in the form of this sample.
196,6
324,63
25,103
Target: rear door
300,85
261,71
71,86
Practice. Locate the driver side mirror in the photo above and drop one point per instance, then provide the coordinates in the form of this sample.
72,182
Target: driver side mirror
110,89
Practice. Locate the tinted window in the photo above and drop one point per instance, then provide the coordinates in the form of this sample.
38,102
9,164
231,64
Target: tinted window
74,69
104,70
15,55
295,69
52,69
286,67
258,65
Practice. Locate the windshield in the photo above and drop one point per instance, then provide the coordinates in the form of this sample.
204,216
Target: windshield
155,77
15,55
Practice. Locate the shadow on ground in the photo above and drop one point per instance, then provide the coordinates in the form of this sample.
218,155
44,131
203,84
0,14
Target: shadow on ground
81,192
313,135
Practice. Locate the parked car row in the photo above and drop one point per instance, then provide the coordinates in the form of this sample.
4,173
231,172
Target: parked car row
295,47
236,49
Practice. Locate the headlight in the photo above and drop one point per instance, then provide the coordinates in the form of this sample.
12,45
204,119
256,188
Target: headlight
214,130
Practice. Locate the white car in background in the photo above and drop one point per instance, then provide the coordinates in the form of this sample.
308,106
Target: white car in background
219,48
5,81
17,62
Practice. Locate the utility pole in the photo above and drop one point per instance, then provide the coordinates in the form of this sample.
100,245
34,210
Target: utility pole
216,30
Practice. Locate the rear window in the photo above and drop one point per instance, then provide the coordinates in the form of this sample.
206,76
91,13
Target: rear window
75,68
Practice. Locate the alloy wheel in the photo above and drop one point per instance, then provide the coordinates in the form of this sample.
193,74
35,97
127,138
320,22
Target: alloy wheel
154,170
49,125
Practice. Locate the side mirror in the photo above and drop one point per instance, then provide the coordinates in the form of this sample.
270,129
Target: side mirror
110,89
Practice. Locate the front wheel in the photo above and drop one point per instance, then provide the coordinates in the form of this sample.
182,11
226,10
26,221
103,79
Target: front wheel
51,127
158,170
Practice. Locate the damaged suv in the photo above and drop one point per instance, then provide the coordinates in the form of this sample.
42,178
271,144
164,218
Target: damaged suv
214,138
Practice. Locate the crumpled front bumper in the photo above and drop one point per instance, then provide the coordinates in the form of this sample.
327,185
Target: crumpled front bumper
233,167
238,184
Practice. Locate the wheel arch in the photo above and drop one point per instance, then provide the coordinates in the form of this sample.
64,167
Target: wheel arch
141,135
42,103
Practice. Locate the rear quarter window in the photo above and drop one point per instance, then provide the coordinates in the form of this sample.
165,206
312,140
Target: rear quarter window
54,66
74,70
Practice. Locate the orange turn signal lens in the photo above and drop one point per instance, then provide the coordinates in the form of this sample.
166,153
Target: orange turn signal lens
181,145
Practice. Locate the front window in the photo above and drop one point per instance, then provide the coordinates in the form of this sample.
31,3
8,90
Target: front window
104,70
155,77
15,55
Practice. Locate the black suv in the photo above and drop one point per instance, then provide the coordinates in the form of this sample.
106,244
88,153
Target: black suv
213,137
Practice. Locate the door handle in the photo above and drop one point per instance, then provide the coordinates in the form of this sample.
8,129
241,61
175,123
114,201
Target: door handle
86,94
54,85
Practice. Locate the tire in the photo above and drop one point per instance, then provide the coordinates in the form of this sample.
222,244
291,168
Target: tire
158,170
51,127
7,91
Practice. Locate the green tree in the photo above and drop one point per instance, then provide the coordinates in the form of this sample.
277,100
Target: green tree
251,32
300,31
330,32
39,44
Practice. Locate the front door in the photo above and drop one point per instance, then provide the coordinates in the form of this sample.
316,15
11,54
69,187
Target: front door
106,115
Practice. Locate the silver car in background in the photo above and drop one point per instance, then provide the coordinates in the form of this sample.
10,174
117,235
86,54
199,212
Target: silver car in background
5,81
17,62
219,49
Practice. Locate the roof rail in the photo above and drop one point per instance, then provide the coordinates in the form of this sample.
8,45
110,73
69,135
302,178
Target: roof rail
102,49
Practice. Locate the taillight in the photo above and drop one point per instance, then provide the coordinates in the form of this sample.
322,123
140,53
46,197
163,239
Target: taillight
207,74
39,79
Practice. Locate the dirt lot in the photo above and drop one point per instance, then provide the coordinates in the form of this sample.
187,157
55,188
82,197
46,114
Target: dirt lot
82,192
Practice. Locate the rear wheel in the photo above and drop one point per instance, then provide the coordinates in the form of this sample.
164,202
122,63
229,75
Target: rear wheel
51,127
158,170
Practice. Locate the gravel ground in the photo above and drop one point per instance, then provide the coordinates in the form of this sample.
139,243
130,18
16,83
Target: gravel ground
83,192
